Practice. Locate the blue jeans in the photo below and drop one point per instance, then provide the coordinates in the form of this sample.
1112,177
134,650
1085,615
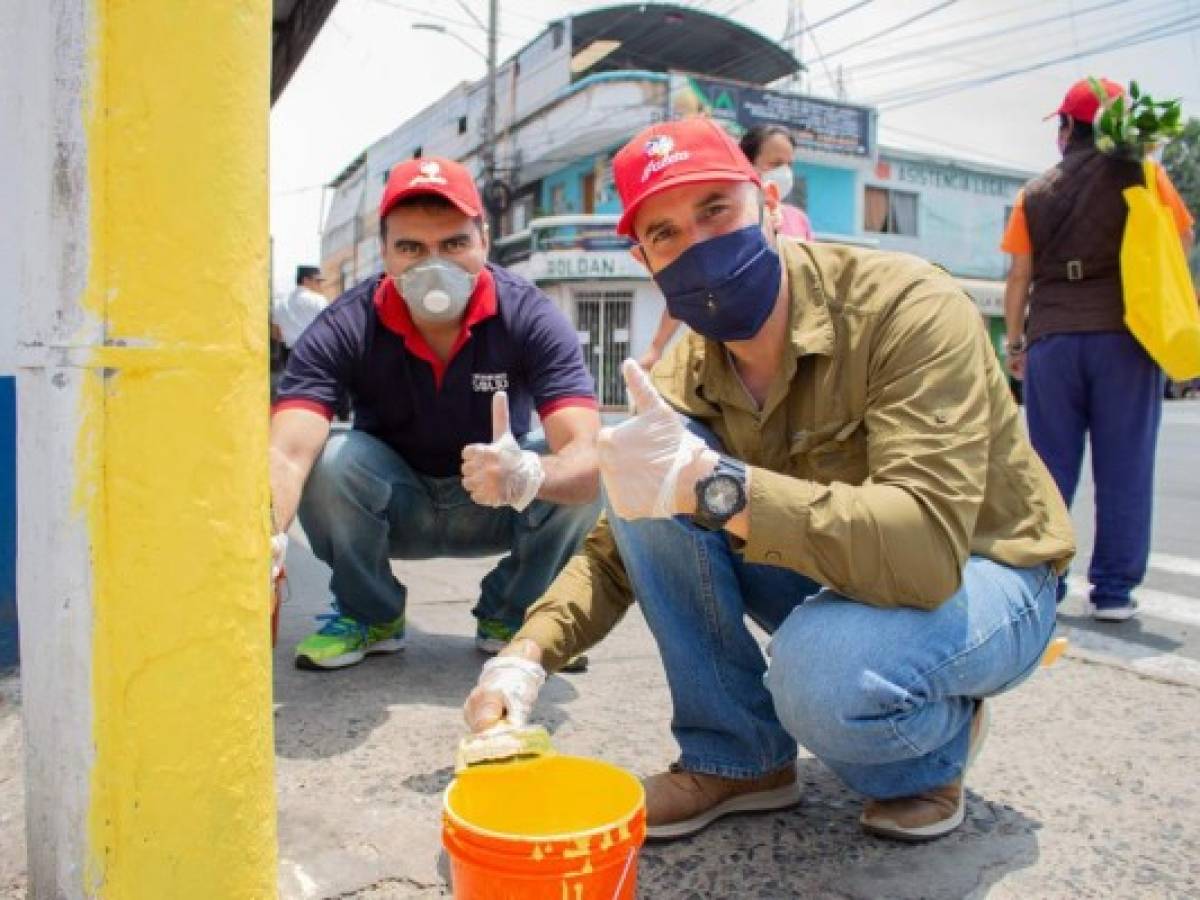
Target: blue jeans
363,506
883,696
1105,386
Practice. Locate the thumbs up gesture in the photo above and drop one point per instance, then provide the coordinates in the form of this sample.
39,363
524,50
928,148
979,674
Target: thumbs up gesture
650,462
501,473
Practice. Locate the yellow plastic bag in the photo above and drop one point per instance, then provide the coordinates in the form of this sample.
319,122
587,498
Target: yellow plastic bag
1160,301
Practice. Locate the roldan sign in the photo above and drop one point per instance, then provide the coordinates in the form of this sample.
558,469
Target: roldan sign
564,266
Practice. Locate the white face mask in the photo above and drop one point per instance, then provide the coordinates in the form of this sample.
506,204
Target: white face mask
436,290
783,177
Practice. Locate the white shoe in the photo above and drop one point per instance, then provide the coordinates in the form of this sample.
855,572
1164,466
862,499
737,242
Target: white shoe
1121,613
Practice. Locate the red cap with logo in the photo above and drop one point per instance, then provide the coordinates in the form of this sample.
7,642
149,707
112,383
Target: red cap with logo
669,154
1081,102
432,175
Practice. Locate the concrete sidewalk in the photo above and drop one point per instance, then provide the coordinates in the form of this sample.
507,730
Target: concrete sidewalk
1087,786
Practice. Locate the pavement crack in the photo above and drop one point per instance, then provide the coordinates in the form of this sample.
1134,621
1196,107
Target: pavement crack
391,881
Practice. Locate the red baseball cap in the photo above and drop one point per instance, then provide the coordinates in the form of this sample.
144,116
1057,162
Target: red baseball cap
432,175
1081,102
669,154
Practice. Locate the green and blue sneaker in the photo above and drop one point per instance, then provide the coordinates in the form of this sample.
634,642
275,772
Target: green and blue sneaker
343,641
492,636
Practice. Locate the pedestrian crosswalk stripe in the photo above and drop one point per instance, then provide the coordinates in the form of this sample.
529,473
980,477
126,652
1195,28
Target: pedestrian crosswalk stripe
1175,565
1169,666
1158,604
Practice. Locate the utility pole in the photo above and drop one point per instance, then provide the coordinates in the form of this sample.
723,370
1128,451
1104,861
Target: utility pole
489,117
794,34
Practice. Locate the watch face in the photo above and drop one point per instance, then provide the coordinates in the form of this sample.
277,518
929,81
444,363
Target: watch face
721,496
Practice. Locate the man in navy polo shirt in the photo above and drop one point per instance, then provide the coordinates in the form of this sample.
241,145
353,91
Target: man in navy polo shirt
445,359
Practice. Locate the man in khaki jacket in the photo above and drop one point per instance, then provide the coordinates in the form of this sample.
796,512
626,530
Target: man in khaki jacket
834,453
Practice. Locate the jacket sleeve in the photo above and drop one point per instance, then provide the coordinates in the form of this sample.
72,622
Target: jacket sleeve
902,537
584,603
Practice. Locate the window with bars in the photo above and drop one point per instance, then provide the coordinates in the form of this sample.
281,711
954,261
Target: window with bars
602,320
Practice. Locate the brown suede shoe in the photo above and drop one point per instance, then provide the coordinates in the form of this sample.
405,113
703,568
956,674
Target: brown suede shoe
934,813
681,803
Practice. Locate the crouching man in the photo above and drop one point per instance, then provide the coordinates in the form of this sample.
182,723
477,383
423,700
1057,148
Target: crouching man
835,454
445,359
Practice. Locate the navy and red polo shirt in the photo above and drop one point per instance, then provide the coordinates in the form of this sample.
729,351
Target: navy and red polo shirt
365,346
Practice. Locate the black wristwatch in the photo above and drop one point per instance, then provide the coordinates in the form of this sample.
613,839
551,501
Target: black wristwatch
721,495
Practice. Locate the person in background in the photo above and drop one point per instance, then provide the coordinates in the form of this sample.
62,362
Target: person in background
852,475
1085,375
292,314
445,358
771,150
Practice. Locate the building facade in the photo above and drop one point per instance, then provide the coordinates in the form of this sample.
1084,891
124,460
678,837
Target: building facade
582,88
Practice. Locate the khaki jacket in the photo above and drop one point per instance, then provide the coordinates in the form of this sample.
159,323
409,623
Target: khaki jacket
888,450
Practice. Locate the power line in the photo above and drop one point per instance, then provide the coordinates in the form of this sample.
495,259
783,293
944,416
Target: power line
1027,46
1170,29
837,15
449,20
936,87
950,27
470,12
907,56
926,57
963,148
736,61
820,56
894,28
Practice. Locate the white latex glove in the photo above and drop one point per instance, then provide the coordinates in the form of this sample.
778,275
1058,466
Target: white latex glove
501,473
279,545
643,458
508,687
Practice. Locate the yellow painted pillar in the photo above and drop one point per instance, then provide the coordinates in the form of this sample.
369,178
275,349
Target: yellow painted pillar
142,463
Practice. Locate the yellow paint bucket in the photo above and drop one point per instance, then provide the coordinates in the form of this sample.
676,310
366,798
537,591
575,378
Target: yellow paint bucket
552,828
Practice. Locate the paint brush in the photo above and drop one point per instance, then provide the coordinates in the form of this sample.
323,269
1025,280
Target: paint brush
503,742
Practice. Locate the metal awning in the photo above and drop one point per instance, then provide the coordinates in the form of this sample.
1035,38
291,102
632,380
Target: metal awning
294,26
662,37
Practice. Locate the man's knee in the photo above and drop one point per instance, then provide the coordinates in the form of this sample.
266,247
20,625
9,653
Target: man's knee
825,681
655,532
349,469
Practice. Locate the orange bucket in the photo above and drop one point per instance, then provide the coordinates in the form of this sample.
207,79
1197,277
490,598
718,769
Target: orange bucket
552,828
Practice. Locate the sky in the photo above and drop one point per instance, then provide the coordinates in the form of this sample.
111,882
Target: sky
963,78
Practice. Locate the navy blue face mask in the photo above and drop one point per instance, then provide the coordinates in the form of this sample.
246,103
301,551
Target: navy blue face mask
724,288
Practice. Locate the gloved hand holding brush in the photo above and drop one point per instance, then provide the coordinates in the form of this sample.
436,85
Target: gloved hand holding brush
507,689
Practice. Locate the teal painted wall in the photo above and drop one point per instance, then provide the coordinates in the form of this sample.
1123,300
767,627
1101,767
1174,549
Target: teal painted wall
832,197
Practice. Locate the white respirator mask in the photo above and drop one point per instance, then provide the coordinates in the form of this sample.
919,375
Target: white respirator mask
782,177
436,290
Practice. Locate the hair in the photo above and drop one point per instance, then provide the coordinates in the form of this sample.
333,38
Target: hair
428,202
752,141
303,273
1080,131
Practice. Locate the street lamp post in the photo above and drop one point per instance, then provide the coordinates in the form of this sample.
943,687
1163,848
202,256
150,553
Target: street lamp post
442,29
488,132
489,115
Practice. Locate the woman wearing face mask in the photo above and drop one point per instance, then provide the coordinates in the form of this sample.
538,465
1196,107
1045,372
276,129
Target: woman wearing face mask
770,150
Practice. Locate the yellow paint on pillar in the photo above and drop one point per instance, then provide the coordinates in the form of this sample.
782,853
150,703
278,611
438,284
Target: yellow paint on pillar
172,462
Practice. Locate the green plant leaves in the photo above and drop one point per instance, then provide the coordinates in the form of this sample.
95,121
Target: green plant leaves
1131,124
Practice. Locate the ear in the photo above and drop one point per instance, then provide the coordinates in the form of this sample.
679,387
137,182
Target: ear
638,254
771,195
484,234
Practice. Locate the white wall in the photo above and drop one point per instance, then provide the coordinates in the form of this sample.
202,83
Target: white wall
961,211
